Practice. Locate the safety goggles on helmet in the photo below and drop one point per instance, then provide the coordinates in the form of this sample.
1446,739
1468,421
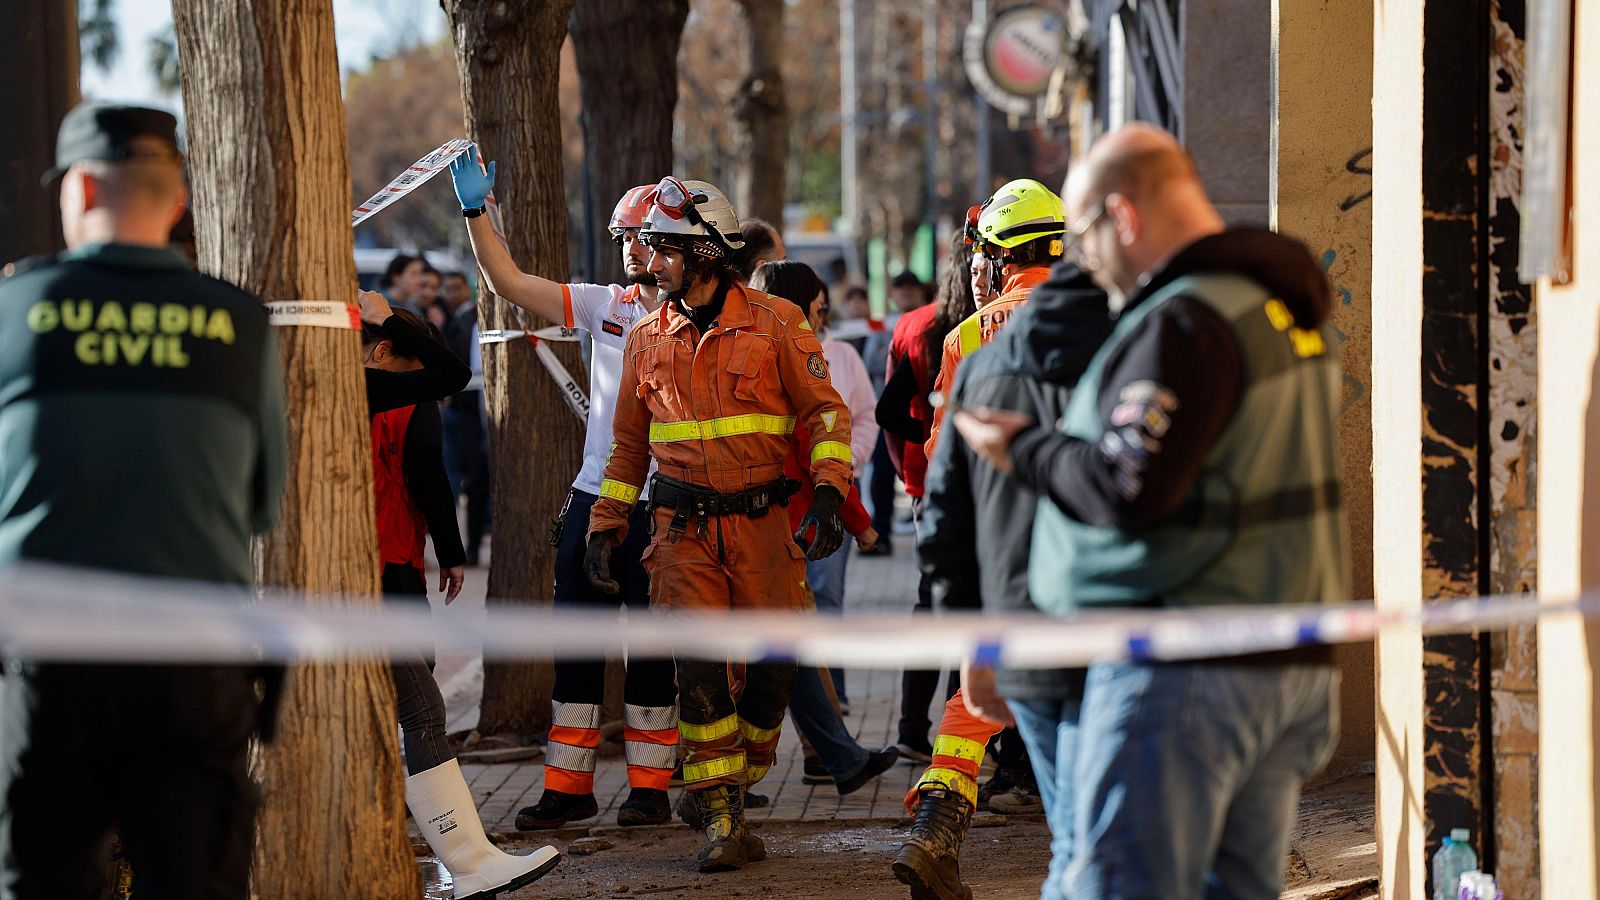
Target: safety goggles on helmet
969,230
675,201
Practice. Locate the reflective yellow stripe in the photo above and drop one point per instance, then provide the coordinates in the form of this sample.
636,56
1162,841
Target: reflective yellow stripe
616,490
755,774
830,450
939,778
958,747
715,768
759,735
728,426
971,334
704,734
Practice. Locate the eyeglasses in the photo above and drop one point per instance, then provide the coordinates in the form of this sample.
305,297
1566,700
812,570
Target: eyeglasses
624,235
1073,236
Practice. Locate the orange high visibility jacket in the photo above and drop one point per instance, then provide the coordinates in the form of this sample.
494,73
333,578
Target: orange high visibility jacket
977,330
722,414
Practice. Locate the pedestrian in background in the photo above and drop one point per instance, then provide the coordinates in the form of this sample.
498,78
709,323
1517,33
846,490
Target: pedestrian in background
799,284
1197,465
466,440
401,283
905,413
164,461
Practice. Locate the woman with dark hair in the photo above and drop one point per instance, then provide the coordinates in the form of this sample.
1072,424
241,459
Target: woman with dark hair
401,282
408,370
839,758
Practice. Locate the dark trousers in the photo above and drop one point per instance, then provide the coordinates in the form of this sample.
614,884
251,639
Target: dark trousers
917,686
880,490
649,681
416,693
156,752
466,459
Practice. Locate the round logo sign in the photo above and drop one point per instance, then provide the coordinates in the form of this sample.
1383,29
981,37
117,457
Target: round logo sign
1023,48
1012,58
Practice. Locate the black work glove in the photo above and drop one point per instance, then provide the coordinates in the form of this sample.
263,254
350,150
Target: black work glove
823,516
597,562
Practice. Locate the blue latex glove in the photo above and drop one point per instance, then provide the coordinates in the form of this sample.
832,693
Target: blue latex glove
472,183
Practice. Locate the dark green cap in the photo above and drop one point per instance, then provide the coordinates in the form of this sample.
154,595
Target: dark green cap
95,130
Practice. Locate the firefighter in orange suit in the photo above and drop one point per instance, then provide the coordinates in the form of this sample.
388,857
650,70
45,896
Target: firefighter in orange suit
1020,229
714,384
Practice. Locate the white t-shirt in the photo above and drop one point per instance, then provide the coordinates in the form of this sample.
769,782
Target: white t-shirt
850,379
607,312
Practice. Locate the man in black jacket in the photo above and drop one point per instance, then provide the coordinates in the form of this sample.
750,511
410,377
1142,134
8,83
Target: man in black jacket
972,512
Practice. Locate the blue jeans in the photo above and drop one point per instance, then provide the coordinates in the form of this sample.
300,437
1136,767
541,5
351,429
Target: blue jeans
814,715
826,577
1186,777
1050,730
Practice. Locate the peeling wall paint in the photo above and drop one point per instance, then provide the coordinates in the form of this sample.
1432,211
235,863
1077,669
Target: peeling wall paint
1513,444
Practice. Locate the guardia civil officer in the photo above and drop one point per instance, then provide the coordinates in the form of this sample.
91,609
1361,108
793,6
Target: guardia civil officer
141,431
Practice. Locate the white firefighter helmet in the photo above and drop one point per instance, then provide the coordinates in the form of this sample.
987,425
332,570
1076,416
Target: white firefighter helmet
692,216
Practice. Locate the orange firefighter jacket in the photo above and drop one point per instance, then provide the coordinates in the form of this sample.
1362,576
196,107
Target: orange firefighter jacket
720,411
977,330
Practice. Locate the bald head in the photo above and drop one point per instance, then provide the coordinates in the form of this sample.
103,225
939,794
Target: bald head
1139,161
1135,199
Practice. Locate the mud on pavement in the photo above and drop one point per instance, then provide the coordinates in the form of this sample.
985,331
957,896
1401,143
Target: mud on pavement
804,859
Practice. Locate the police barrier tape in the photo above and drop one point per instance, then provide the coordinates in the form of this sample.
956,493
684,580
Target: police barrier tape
56,614
314,313
414,176
571,391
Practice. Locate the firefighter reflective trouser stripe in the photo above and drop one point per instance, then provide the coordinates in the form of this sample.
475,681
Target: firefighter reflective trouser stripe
569,755
730,742
958,750
648,689
651,735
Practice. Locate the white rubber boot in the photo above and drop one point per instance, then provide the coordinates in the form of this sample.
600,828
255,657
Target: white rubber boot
441,803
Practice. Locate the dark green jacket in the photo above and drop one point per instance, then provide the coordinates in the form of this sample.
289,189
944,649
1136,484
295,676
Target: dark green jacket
141,416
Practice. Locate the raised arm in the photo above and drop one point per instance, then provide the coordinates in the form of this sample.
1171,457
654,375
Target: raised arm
540,296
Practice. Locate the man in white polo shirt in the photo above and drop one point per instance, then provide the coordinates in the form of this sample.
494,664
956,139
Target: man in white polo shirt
607,313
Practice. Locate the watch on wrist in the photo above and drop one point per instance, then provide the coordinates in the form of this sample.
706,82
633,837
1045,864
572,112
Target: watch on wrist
474,212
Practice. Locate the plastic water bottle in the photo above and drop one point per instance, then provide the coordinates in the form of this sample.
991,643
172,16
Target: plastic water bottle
1453,859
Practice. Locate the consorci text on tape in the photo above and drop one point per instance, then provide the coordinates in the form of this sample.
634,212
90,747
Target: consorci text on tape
50,613
314,313
412,178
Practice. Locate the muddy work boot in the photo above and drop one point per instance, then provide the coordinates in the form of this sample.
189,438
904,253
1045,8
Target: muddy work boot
927,861
729,845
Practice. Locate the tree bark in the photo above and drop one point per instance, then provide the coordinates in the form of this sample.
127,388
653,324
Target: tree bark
268,166
761,116
628,103
509,55
38,84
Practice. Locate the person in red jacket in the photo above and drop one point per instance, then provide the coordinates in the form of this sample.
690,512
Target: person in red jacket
408,370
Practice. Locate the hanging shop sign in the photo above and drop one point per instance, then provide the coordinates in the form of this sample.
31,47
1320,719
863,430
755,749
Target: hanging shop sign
1012,57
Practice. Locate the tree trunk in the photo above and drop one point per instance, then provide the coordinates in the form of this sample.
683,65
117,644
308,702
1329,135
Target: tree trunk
760,116
268,164
509,55
38,84
628,103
